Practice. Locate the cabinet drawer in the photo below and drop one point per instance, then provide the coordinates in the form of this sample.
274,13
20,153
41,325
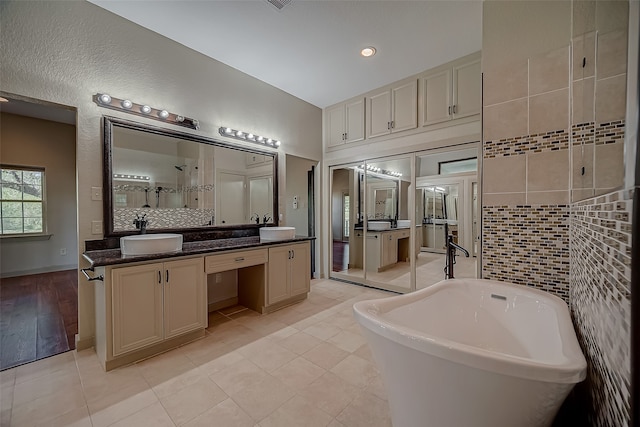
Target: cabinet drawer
232,261
401,234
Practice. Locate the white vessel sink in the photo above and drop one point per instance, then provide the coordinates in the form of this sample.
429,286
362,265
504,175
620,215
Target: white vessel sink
277,233
404,223
378,225
149,244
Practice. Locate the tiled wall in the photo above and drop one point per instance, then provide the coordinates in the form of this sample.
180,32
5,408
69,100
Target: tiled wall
600,295
161,218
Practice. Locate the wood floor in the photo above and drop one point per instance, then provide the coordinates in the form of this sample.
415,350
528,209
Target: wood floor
38,316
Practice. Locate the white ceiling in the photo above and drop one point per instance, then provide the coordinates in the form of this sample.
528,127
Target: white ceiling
310,48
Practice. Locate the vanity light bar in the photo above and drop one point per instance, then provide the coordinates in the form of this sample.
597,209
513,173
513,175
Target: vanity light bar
248,136
375,169
125,176
127,106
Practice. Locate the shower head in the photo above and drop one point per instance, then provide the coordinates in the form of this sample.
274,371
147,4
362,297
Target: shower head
181,167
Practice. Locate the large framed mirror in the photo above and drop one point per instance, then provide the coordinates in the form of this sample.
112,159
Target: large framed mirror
183,182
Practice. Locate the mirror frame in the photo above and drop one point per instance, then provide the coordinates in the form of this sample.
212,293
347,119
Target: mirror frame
108,124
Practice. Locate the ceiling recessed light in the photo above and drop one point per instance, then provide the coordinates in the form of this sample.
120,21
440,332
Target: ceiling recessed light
368,51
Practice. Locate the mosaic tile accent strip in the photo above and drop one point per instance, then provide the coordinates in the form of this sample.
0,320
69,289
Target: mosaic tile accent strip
610,133
601,301
537,143
527,245
161,218
603,133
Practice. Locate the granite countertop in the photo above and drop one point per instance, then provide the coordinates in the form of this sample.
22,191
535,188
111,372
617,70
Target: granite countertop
103,257
382,231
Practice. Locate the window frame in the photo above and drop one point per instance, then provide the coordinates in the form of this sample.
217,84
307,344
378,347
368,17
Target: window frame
43,202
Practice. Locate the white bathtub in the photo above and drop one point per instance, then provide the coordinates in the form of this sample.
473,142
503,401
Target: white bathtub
473,353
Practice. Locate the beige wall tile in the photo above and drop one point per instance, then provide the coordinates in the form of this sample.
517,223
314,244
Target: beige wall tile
548,171
584,47
609,165
581,194
582,156
549,111
611,98
584,17
612,54
504,174
583,104
504,199
549,71
548,197
612,15
506,83
506,120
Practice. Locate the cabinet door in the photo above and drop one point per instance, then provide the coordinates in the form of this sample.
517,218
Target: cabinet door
185,303
300,273
466,90
405,107
335,126
354,126
436,98
278,286
389,249
136,294
379,114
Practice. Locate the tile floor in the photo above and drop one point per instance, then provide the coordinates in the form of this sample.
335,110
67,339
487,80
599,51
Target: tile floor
305,365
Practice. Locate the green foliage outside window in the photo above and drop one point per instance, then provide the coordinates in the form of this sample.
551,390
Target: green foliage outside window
21,201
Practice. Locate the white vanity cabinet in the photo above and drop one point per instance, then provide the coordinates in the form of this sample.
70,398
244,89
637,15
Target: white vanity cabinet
393,109
289,272
345,123
451,93
146,308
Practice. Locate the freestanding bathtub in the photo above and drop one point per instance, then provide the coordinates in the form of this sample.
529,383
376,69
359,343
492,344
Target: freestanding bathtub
473,353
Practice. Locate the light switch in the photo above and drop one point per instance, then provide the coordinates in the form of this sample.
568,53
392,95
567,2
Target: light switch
96,193
96,227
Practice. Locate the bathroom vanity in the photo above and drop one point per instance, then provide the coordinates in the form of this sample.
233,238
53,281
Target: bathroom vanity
385,248
148,304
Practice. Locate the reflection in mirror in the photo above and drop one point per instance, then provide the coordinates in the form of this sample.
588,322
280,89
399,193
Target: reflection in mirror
446,205
179,181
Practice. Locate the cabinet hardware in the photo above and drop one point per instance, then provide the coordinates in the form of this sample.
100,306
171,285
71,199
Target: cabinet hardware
159,276
388,125
454,109
89,278
167,281
449,109
239,259
393,124
293,254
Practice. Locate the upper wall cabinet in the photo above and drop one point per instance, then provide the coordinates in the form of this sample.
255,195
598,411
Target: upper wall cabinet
451,93
345,123
393,110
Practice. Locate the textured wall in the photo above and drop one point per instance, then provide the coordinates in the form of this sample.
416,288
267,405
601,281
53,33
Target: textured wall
65,52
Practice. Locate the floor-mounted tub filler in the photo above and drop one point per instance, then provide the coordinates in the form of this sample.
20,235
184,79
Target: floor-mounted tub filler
473,352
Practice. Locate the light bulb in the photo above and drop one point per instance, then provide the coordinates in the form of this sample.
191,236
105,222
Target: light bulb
228,131
277,143
145,109
250,136
163,114
105,99
368,51
239,134
259,138
179,119
126,104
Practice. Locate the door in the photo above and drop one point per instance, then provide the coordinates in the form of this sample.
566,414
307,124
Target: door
278,288
230,199
299,277
405,107
436,98
185,307
354,126
261,196
380,114
136,294
335,125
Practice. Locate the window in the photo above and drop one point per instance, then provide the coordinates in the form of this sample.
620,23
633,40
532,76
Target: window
458,166
21,201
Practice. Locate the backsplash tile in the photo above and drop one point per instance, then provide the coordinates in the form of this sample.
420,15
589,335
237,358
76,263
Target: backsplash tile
162,218
537,143
600,295
527,245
